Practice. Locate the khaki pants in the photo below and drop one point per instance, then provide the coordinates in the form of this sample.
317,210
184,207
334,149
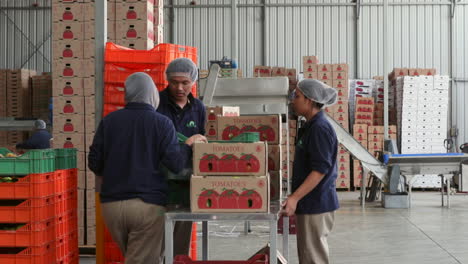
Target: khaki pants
182,237
312,233
138,228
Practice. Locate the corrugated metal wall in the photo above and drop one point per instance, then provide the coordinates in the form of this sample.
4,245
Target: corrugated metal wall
25,34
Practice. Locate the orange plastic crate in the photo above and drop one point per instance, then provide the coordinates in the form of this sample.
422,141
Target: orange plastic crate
66,223
66,247
29,186
117,74
161,54
112,252
31,234
25,211
66,201
114,93
32,255
71,258
60,181
109,108
71,179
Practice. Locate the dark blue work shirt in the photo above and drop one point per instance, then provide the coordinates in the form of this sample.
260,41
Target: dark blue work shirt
39,140
128,149
317,150
189,120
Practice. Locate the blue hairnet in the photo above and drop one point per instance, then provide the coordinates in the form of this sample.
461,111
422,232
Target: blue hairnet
318,91
182,67
39,124
140,88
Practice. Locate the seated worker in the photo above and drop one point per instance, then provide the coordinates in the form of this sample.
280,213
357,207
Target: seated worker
40,139
128,150
188,115
314,199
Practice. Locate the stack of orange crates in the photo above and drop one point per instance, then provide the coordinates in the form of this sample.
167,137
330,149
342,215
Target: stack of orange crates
38,218
120,62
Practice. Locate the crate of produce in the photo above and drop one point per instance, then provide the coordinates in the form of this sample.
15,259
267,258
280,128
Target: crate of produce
24,235
66,223
31,255
65,158
33,161
30,186
24,211
257,259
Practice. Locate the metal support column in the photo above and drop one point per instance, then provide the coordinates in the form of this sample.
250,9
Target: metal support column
101,38
234,33
385,66
358,40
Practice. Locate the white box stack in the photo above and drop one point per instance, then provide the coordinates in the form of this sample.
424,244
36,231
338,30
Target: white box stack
422,107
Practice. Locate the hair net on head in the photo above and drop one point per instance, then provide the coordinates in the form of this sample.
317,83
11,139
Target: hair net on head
182,67
140,88
318,91
39,124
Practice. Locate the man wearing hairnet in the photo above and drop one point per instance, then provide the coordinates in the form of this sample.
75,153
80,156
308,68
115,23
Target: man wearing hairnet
314,199
188,115
40,139
128,150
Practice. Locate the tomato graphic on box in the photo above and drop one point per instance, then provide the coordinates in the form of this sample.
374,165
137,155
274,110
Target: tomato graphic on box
68,127
212,132
209,163
212,117
229,199
248,129
230,132
248,163
68,108
266,133
250,199
229,163
208,199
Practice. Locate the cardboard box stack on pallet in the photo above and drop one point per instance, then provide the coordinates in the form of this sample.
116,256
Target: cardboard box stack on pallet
378,94
73,96
41,86
372,138
18,100
3,105
233,177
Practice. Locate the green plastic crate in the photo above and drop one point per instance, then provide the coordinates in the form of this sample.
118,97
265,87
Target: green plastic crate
246,137
33,161
65,158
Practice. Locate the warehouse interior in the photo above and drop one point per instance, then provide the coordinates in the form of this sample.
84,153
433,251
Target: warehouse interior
399,71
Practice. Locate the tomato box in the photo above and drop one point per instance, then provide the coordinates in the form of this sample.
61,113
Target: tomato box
236,159
269,127
276,183
229,194
211,130
274,157
310,60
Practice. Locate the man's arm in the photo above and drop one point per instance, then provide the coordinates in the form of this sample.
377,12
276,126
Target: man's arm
312,180
96,152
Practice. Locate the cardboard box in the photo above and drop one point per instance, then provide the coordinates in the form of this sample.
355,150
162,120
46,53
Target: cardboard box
262,71
72,105
235,159
90,180
360,129
276,185
81,179
414,72
278,71
376,138
229,194
325,76
73,31
340,84
89,138
69,141
343,76
365,101
67,87
135,29
292,74
91,217
70,68
90,198
311,75
310,68
344,124
309,60
275,157
68,12
91,236
81,236
342,183
364,108
292,123
325,68
69,124
398,72
343,158
137,44
340,67
374,146
127,11
212,130
90,123
269,127
68,49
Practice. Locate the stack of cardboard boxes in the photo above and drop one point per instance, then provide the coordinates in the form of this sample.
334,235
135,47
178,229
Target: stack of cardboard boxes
372,138
364,113
262,71
310,67
3,105
73,97
18,100
41,94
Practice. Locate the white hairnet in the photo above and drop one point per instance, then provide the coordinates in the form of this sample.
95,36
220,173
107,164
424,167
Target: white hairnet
182,67
318,91
39,124
140,88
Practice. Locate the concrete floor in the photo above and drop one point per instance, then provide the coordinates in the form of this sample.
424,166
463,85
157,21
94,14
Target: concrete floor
425,234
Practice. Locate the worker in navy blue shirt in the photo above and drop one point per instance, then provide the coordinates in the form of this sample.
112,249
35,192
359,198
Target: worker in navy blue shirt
128,150
40,139
314,199
188,115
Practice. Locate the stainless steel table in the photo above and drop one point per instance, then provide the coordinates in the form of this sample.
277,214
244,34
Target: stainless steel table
185,215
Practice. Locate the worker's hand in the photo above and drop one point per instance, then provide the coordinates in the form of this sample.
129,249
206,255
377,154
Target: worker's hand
289,206
196,138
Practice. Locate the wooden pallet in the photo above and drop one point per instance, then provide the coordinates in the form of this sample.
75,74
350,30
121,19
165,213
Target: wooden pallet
87,250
